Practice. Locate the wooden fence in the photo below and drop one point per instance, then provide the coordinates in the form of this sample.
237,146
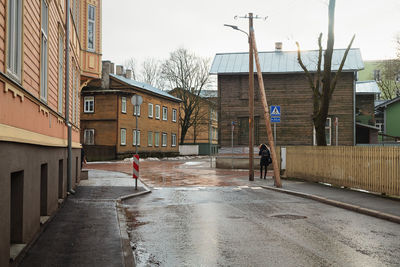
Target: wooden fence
375,169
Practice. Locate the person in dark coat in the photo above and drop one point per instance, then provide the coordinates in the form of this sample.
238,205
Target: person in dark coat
264,160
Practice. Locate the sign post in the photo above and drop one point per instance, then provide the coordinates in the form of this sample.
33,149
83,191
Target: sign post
275,117
136,101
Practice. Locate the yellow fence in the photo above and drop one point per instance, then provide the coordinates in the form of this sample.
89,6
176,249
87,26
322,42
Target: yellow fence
375,169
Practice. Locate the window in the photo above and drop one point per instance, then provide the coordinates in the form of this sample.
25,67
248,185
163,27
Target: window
377,75
14,42
123,137
88,137
44,49
60,70
88,104
73,94
150,110
76,95
123,105
173,140
91,26
136,137
164,113
150,138
156,139
157,112
134,110
174,115
328,133
164,139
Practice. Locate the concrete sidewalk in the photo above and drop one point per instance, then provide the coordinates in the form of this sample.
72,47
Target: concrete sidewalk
87,230
359,201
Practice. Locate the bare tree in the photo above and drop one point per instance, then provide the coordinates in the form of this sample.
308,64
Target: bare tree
188,75
323,83
131,64
390,80
151,73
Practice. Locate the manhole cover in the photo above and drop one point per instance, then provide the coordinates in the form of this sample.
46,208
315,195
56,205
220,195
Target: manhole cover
289,216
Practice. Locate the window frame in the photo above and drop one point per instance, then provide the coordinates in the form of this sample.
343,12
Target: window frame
164,118
164,139
44,47
134,110
157,111
150,114
329,127
85,141
60,101
123,140
174,114
91,22
14,39
135,134
173,140
123,104
156,139
149,138
88,99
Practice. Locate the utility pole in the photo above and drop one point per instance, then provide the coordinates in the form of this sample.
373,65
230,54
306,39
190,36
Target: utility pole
251,102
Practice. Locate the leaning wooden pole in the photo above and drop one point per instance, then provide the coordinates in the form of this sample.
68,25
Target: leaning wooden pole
277,176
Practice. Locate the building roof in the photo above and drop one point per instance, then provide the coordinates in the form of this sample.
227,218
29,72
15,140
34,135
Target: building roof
367,88
387,103
283,62
145,86
209,93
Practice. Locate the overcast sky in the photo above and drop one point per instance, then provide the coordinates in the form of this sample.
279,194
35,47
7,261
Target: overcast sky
154,28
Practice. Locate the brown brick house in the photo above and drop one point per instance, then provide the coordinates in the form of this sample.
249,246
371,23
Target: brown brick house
109,123
35,109
286,86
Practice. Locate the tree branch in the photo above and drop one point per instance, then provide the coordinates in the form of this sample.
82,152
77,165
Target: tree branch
308,75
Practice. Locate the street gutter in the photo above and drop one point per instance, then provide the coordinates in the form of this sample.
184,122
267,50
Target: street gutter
370,212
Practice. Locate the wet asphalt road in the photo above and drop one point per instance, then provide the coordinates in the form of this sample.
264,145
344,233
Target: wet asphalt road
250,226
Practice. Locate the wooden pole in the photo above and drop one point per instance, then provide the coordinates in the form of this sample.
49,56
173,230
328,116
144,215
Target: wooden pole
251,102
266,112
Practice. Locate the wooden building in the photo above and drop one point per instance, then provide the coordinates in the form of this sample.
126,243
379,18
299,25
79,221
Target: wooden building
34,38
204,129
109,123
285,86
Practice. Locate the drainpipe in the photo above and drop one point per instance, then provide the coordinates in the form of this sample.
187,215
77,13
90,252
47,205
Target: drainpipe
69,158
354,108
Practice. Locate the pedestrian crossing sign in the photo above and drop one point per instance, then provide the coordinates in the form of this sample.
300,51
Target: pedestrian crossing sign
275,111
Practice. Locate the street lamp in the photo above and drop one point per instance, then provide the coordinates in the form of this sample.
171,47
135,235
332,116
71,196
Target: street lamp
251,95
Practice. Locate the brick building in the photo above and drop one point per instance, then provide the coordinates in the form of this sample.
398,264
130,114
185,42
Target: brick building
109,123
285,86
36,103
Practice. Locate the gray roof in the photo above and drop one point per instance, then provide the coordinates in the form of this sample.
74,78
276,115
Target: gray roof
388,102
145,86
209,93
283,62
367,88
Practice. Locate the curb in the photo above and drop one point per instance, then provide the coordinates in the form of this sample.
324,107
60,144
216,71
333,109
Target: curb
370,212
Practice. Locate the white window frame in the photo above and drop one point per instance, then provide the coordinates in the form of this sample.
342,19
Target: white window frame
134,138
328,126
149,138
156,139
174,113
14,38
164,113
157,115
60,71
123,104
44,50
164,140
77,84
87,108
88,134
173,139
91,22
150,110
123,136
134,110
73,93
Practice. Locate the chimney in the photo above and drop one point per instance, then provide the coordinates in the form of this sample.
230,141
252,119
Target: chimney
120,70
105,73
112,68
278,47
128,74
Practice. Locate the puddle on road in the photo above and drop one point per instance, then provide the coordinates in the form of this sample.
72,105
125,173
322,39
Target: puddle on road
131,219
289,216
